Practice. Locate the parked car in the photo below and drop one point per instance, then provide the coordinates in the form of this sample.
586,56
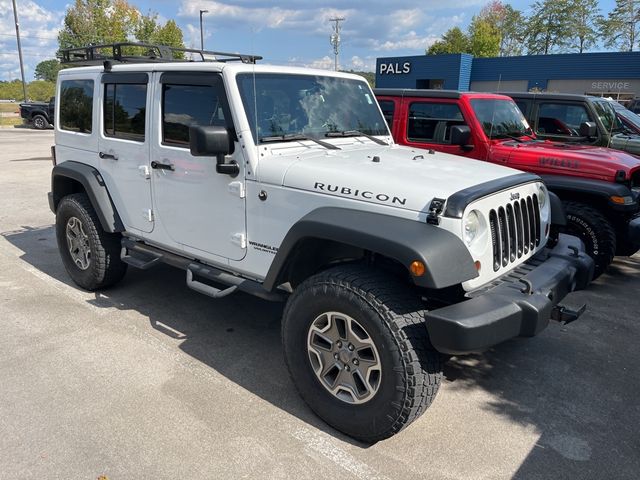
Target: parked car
576,119
600,187
630,120
38,114
285,183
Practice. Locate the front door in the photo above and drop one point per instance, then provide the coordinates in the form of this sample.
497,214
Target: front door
201,210
124,147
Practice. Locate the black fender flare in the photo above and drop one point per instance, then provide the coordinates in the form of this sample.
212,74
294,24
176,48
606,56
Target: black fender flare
447,260
94,186
598,188
558,215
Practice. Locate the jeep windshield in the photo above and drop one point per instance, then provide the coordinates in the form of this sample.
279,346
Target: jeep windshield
500,118
290,107
608,116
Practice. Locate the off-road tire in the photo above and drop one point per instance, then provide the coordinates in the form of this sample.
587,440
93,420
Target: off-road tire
597,233
39,122
105,266
393,316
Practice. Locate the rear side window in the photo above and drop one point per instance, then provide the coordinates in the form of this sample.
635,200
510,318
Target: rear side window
76,105
124,111
561,119
432,122
189,105
388,109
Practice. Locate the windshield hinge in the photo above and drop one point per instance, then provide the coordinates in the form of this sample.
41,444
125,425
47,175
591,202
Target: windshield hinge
237,188
435,210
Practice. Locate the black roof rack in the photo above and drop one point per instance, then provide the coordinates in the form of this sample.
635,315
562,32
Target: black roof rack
133,52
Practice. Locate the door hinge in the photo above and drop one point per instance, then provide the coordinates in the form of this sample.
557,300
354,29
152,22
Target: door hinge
148,215
237,188
144,171
239,239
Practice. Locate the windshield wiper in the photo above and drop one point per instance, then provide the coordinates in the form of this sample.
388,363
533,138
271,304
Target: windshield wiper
356,133
290,137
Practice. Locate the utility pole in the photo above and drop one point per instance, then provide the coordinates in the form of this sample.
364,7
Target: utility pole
334,39
15,17
201,31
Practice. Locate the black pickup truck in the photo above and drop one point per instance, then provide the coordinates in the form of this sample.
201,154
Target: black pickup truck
38,114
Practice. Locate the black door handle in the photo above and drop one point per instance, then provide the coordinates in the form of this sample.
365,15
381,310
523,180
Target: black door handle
162,166
108,155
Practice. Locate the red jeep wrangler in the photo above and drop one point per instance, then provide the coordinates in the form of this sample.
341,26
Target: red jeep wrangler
600,187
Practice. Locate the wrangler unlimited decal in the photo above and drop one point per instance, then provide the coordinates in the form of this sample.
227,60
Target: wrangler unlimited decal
366,194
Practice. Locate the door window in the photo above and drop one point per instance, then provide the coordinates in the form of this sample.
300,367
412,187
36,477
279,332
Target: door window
388,109
432,122
184,106
125,110
561,119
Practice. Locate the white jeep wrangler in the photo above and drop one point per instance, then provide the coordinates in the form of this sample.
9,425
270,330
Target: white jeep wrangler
285,183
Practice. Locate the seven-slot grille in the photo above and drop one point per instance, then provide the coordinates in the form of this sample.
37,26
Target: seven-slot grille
515,230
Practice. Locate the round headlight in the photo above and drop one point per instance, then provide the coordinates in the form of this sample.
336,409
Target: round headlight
471,226
542,197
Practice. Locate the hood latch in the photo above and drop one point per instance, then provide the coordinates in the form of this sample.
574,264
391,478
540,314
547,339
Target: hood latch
435,210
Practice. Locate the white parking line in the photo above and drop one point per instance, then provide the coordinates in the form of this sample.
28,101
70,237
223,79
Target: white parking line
317,442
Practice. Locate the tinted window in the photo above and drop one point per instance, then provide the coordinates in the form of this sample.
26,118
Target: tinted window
388,108
561,119
187,105
607,116
124,111
432,122
76,105
500,118
523,106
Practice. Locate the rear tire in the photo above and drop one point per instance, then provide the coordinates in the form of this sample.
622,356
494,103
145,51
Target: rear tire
377,311
39,122
90,255
597,233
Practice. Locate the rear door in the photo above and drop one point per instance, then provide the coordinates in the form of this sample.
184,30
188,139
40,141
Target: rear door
124,147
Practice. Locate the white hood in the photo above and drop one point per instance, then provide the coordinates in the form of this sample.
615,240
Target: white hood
400,176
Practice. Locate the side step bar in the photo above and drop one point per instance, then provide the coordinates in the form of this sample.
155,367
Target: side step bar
140,255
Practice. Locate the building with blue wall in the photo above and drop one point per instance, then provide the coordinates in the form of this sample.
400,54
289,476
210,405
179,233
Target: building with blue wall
615,74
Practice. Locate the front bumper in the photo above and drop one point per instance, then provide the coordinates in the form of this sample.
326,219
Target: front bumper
518,304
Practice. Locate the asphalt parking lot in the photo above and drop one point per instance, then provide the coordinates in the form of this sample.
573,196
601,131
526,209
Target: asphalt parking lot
152,380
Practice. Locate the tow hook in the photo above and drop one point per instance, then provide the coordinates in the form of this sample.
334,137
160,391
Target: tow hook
566,315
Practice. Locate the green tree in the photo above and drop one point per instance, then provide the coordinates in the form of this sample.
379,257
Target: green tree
171,35
548,27
484,37
47,70
620,29
453,41
586,19
510,25
41,90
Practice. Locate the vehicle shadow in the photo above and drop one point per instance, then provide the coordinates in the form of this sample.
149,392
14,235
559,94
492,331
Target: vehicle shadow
576,385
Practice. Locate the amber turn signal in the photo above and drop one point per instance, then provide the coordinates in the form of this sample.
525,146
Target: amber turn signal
478,265
417,268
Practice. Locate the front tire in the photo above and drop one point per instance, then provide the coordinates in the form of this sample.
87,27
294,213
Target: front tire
39,122
392,374
597,233
90,255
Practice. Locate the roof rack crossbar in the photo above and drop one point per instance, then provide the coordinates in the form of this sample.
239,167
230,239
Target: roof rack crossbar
144,53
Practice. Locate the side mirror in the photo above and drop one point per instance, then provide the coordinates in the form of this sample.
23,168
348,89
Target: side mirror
588,129
460,135
213,141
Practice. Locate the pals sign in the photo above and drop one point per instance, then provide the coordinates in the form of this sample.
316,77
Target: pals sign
394,68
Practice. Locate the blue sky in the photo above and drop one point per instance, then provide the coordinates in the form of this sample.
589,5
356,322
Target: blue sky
289,32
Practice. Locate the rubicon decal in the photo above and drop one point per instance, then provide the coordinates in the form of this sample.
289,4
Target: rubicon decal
353,192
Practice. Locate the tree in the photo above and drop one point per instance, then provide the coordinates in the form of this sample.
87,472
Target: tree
96,22
453,41
620,29
171,35
47,70
586,18
484,37
548,27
